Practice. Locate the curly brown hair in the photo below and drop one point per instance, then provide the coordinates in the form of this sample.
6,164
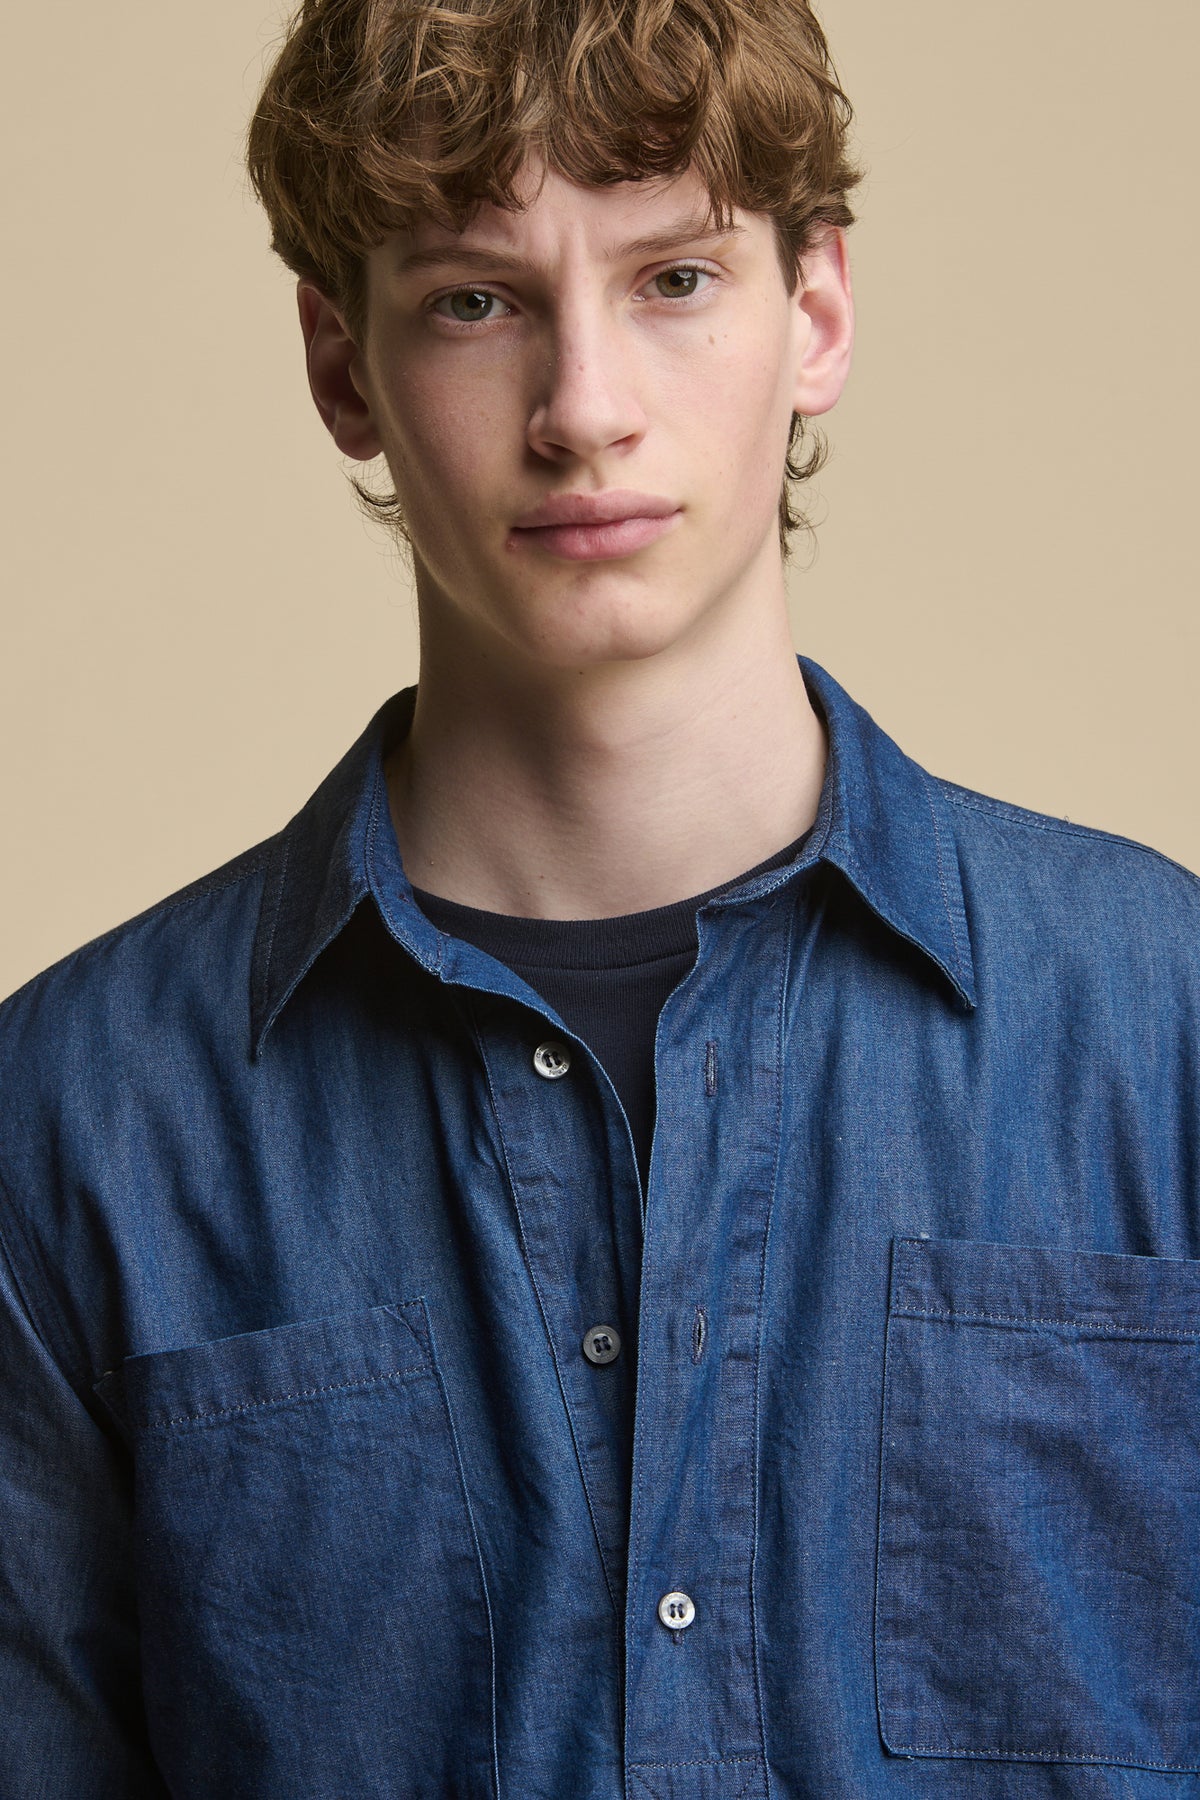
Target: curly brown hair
377,114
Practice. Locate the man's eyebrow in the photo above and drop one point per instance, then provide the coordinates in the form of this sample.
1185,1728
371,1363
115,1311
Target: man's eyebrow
690,230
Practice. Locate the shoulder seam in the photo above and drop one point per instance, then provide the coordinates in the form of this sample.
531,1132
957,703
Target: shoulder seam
1035,821
248,865
199,890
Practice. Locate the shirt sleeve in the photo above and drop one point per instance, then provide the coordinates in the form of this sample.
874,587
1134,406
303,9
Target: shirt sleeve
71,1714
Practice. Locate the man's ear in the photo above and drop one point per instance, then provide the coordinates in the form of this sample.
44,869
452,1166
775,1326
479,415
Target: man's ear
335,373
826,297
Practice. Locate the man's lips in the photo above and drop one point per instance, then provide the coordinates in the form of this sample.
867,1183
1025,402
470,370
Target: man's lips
606,508
595,542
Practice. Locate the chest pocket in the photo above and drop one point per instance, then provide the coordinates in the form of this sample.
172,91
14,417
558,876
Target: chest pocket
1038,1593
310,1594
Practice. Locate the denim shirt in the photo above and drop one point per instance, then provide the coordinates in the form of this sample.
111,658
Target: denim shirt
358,1439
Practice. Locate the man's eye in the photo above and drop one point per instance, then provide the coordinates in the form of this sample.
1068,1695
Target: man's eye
473,299
685,270
470,305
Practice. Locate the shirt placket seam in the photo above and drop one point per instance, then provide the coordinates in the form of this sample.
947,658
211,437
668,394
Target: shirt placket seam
586,1473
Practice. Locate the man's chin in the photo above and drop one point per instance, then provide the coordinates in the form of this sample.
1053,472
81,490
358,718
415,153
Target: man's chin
595,645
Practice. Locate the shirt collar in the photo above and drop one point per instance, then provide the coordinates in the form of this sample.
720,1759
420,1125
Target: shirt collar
881,821
888,829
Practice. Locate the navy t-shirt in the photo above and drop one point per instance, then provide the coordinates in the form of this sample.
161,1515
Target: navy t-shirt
606,978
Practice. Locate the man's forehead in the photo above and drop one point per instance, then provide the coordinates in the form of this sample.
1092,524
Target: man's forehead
620,219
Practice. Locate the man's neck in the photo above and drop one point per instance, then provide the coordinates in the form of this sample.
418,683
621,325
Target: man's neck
570,794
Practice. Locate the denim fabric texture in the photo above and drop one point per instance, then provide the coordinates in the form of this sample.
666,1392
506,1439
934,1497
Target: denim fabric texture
308,1489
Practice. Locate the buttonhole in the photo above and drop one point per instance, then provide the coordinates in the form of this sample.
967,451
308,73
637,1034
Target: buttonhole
699,1334
710,1066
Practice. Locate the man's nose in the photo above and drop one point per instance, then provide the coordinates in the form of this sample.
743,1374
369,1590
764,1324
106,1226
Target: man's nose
588,390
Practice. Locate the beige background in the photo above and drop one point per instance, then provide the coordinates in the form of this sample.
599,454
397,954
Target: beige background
196,623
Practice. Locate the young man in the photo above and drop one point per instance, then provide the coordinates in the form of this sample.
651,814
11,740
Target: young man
643,1248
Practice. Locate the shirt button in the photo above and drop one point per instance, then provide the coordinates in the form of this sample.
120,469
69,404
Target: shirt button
676,1610
552,1059
601,1344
